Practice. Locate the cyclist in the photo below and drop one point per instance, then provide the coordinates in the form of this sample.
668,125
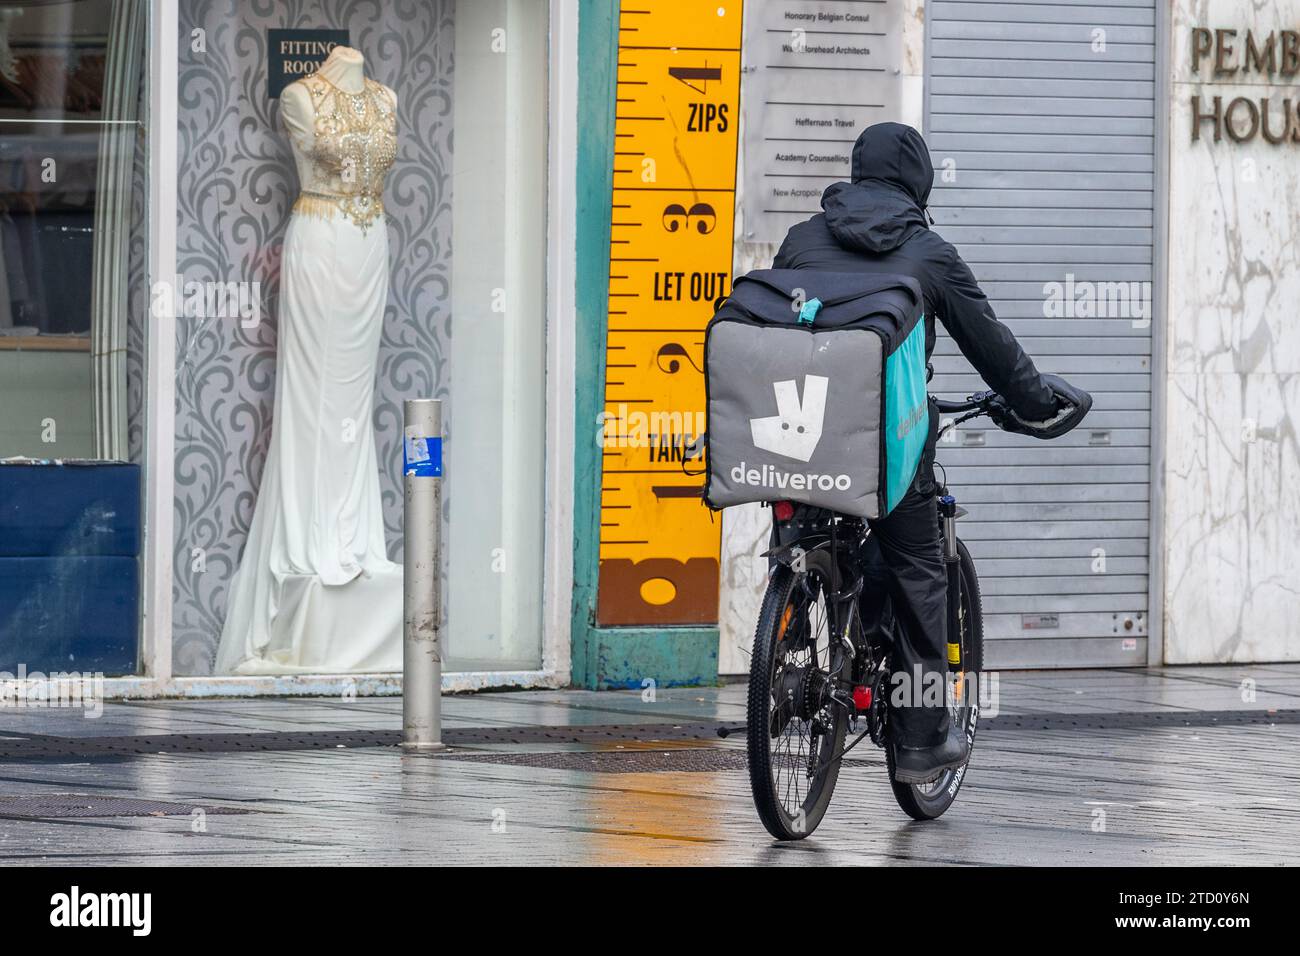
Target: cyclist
878,223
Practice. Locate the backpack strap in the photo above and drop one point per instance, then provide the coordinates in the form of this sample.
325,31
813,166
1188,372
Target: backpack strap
808,311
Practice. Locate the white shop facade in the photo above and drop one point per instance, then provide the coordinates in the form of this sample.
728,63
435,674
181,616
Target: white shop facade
1121,178
169,116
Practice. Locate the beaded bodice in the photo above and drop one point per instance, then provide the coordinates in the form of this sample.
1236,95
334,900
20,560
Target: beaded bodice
354,147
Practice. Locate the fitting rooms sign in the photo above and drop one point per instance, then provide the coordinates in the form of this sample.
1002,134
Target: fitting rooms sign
1261,59
293,54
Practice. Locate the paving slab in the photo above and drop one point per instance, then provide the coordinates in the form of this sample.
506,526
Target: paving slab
1157,794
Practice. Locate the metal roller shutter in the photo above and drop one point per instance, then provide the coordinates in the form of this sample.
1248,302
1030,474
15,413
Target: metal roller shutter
1049,142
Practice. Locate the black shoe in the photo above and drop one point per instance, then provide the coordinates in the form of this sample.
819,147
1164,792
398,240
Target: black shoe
926,764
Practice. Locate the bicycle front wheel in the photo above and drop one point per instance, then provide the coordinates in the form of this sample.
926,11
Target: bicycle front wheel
795,732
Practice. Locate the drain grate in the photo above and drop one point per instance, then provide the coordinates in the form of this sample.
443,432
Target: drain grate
53,806
583,734
697,760
1138,720
41,747
49,747
694,760
44,747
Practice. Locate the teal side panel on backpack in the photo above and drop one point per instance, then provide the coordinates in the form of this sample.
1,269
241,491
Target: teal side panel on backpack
907,414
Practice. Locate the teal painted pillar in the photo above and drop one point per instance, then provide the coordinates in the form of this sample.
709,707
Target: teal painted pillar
597,69
606,657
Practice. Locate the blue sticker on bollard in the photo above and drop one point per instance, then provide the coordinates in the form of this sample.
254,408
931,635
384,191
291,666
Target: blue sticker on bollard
422,457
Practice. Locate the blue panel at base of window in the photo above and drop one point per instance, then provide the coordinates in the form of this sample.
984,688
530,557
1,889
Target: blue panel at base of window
69,568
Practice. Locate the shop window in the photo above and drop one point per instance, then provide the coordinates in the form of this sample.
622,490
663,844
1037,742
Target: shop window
72,227
353,290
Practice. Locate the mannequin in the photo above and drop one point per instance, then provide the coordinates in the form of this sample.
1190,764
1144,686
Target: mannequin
345,68
315,591
344,71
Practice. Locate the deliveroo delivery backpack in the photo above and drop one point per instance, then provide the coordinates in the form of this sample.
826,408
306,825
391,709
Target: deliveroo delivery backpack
816,390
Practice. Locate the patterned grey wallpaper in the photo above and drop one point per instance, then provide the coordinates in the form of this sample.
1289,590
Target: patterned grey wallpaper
137,265
236,184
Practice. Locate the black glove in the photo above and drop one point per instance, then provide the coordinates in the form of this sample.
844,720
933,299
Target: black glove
1072,404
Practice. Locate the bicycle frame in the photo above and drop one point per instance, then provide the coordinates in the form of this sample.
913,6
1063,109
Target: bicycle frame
952,569
823,552
828,679
811,541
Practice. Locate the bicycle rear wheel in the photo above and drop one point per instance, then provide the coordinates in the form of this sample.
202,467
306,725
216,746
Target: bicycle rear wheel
794,730
925,801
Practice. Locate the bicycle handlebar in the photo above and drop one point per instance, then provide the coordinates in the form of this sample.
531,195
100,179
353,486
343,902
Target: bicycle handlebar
977,402
1072,405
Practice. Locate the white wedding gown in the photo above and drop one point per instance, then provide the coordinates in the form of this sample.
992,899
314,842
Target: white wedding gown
315,591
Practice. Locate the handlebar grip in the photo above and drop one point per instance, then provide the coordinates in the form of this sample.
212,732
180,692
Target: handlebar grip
977,401
953,408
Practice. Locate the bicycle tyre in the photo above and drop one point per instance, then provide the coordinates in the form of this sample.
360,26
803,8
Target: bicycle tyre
932,800
772,809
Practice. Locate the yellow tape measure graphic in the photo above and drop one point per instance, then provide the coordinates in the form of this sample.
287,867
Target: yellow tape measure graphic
676,121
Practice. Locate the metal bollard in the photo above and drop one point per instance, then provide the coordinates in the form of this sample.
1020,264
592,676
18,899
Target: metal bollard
422,529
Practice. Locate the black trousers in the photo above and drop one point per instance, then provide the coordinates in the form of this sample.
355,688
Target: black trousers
905,596
907,565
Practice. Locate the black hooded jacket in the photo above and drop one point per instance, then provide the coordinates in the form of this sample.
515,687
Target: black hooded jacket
877,223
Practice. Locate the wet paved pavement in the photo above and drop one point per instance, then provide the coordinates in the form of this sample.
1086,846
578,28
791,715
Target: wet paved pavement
1128,792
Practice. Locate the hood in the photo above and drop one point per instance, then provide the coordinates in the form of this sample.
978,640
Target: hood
885,204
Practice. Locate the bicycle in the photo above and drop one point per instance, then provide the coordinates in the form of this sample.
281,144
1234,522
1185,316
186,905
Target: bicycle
816,671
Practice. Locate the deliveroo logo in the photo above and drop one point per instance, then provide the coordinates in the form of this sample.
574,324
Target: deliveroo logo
795,429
